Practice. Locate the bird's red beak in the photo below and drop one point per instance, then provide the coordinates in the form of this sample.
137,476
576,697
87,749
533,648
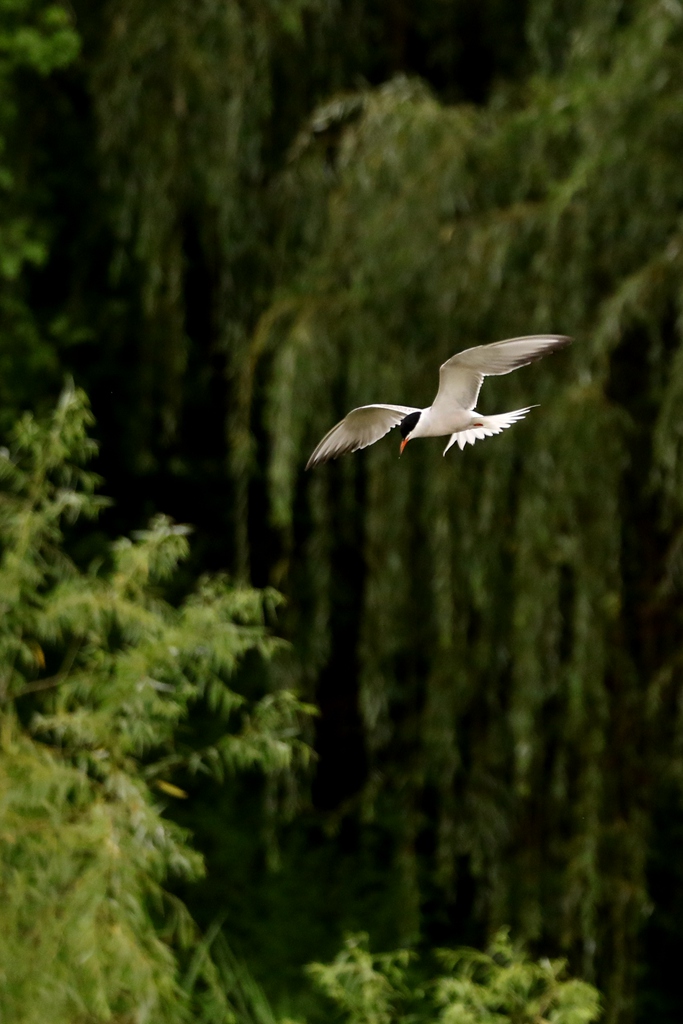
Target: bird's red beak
404,442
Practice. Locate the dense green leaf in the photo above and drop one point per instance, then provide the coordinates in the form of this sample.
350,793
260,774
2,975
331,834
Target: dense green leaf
97,672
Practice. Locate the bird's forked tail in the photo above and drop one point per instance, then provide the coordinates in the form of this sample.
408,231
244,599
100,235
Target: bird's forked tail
486,426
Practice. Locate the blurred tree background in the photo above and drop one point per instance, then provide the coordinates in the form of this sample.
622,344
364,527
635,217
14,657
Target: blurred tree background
230,221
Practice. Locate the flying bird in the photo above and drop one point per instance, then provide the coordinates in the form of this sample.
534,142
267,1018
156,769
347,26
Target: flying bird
452,411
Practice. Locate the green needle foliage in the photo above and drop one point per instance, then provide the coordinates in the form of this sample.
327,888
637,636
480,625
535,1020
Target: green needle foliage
501,986
97,673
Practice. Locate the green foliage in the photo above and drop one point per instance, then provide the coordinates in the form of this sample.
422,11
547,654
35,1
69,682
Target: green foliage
231,987
182,93
506,663
368,988
98,670
35,38
36,35
503,625
501,985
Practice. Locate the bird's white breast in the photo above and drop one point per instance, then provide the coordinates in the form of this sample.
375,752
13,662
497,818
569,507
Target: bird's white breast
449,421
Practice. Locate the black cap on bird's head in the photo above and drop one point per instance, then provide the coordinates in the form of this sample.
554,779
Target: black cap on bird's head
407,426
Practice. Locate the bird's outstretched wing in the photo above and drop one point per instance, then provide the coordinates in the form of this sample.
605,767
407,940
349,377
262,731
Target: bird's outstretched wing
359,428
461,376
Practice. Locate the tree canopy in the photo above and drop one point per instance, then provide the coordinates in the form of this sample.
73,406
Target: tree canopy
234,221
